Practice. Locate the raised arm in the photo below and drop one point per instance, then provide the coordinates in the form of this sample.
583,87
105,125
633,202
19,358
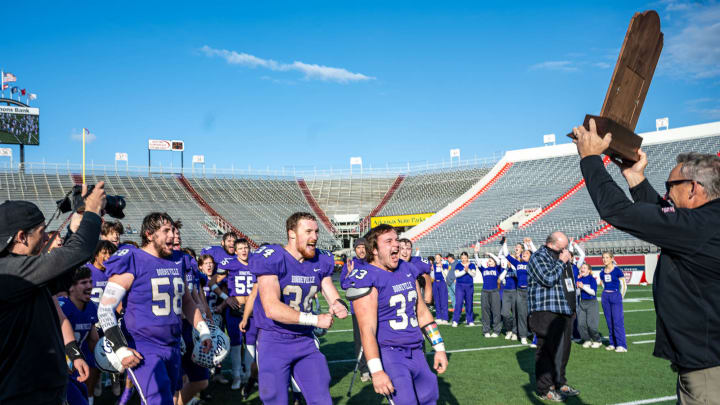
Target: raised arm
580,254
278,311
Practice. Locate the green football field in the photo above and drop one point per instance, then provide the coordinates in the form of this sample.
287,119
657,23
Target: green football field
499,371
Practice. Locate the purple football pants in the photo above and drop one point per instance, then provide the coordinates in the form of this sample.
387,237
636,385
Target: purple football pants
159,374
613,308
463,295
278,356
410,375
76,392
440,295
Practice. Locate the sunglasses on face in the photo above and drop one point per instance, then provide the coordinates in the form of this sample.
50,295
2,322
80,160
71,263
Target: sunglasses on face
670,184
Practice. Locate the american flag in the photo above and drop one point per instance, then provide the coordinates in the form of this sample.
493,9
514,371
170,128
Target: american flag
5,86
9,77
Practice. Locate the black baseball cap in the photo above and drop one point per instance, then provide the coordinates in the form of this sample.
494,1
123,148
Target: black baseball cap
17,215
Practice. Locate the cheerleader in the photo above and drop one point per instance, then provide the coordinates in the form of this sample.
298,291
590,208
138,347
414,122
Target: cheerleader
464,289
587,309
490,297
614,288
440,292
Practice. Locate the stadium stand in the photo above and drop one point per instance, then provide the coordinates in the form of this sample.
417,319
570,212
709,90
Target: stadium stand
528,192
548,177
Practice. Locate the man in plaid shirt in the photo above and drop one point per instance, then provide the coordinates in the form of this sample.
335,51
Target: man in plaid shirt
551,298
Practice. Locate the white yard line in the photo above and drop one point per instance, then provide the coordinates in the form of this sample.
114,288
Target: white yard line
640,334
642,342
650,401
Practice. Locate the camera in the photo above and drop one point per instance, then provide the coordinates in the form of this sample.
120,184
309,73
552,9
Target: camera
75,201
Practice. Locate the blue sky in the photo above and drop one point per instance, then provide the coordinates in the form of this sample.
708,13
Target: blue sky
313,83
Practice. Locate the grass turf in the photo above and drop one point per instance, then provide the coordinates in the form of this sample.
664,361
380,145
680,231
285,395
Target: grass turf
499,371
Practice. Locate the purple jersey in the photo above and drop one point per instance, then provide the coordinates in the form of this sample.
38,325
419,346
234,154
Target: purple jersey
357,263
299,282
490,277
218,254
239,278
397,296
153,304
192,274
82,321
99,280
422,264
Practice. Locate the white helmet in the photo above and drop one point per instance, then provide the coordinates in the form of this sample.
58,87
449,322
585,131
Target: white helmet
220,348
105,357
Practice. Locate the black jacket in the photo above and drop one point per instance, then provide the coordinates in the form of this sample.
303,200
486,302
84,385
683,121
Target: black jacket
686,287
32,355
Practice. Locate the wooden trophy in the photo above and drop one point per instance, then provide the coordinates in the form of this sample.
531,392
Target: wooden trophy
629,86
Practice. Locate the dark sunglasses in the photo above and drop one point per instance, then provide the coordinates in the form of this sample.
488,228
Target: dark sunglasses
670,184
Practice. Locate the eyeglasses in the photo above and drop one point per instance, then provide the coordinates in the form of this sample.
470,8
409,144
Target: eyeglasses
671,183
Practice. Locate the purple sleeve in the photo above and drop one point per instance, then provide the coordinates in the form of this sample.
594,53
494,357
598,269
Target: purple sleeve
269,262
361,278
121,262
618,273
344,282
329,264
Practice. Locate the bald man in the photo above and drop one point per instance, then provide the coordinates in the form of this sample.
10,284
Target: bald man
551,298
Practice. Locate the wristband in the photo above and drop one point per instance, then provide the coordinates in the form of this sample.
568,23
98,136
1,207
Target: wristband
308,319
223,296
432,332
343,303
203,330
72,351
115,338
374,365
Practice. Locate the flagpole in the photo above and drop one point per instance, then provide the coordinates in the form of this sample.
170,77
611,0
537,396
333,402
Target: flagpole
83,167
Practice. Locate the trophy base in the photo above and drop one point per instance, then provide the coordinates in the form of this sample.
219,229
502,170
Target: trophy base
625,143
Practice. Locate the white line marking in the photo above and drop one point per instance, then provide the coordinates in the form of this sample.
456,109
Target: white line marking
641,342
339,330
650,401
640,334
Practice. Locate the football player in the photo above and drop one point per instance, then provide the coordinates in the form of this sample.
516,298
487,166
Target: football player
424,268
103,251
197,376
288,278
392,321
240,285
150,282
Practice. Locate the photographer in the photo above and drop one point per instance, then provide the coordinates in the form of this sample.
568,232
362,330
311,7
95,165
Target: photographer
32,356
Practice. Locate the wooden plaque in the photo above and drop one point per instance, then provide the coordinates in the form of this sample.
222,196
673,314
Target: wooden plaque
630,83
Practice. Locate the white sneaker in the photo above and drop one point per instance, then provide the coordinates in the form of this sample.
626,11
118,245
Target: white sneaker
441,322
523,341
609,348
487,335
514,337
494,335
587,344
620,349
533,345
471,324
454,324
508,336
596,345
236,384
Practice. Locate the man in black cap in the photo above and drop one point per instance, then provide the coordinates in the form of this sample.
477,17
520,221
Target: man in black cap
358,260
32,356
